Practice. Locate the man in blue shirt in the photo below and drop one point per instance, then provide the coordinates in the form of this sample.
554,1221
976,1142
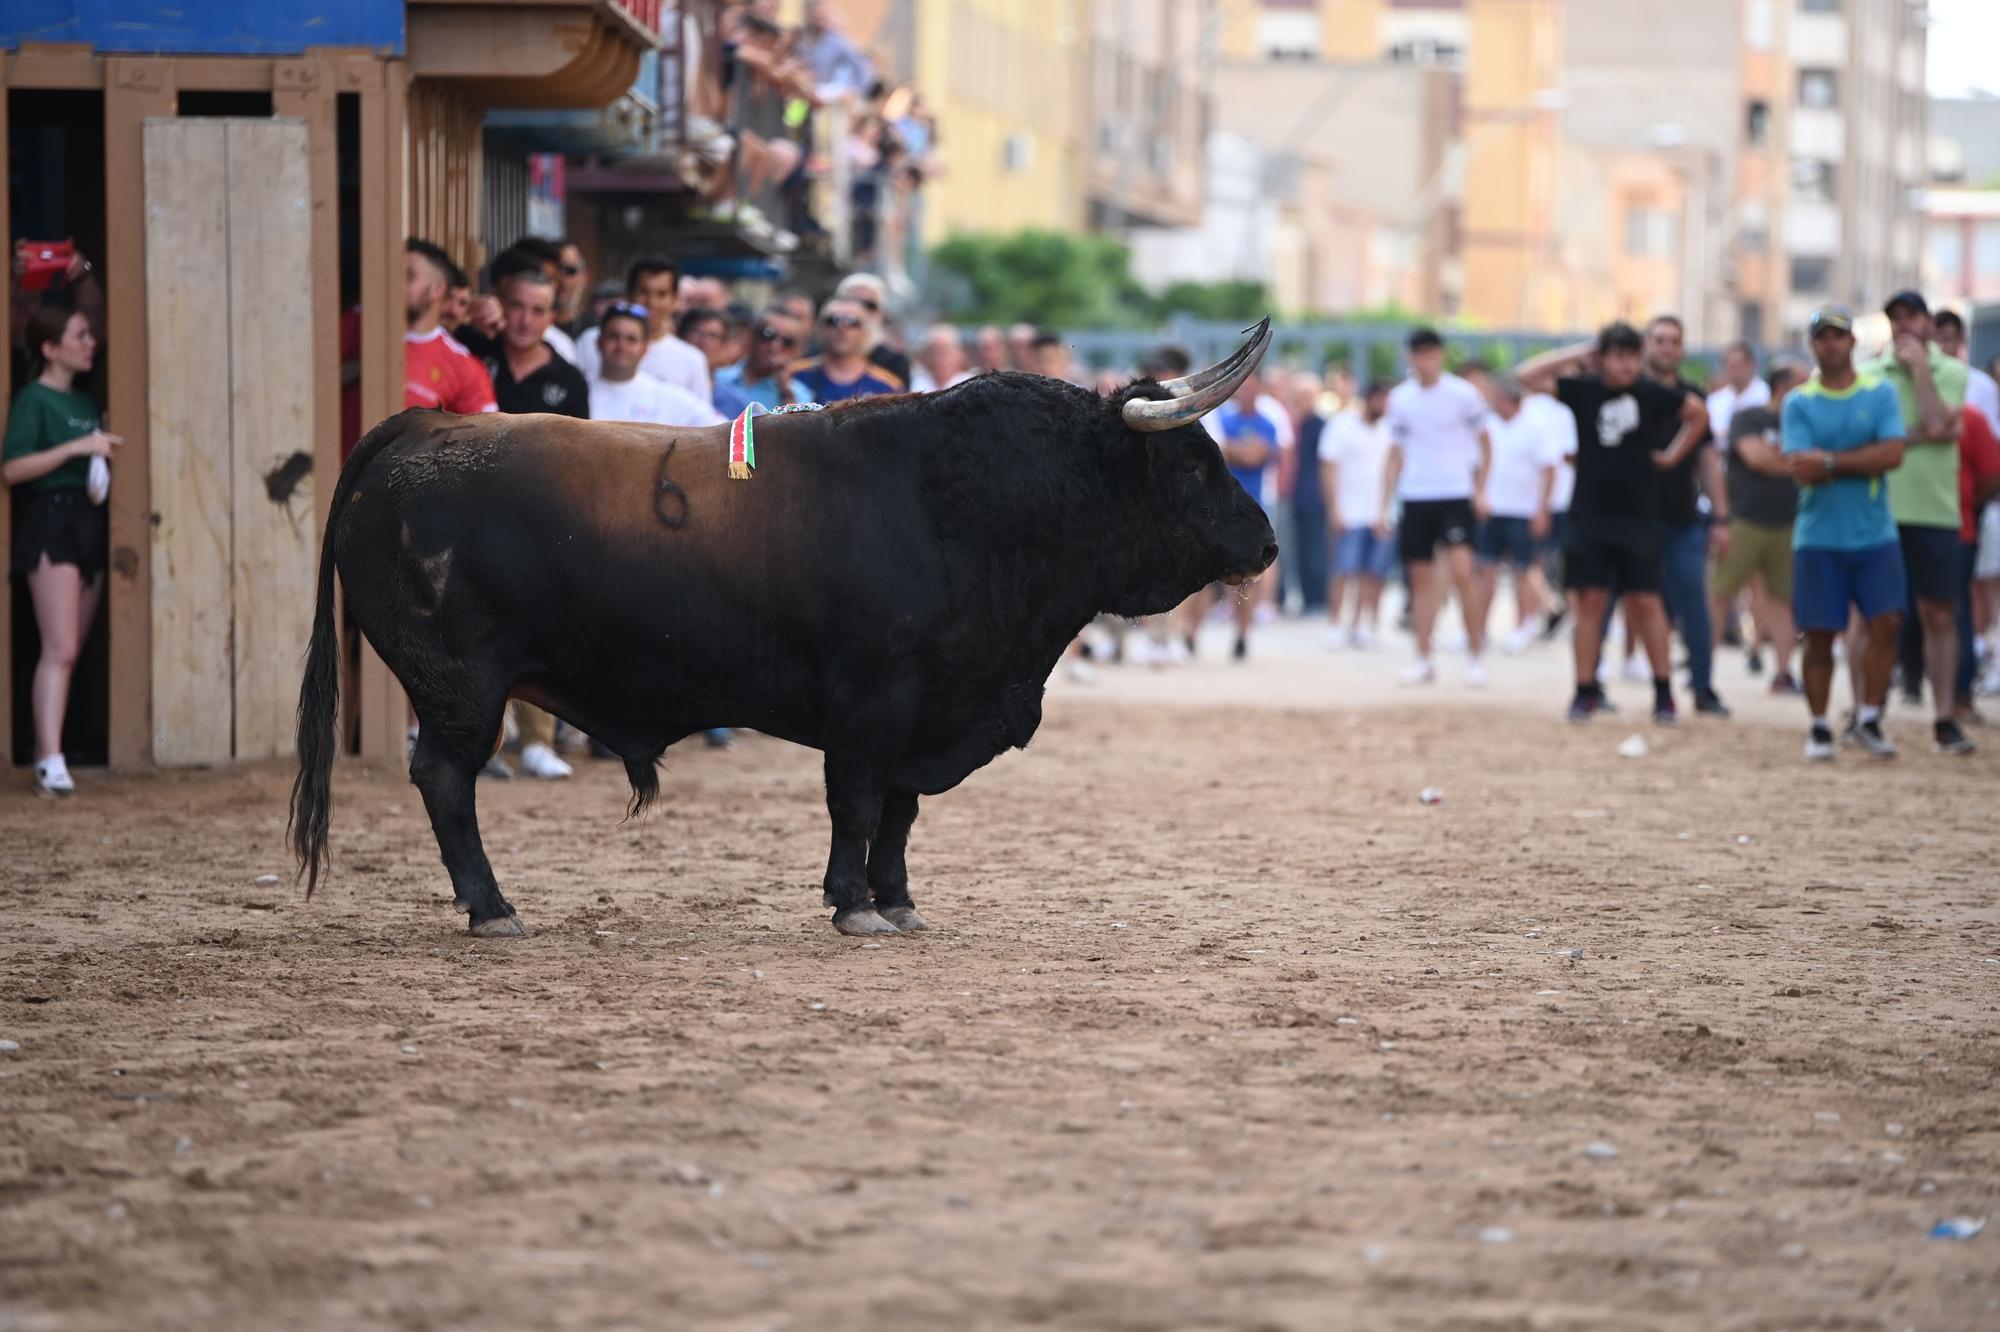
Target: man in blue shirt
842,369
776,339
1249,445
1842,432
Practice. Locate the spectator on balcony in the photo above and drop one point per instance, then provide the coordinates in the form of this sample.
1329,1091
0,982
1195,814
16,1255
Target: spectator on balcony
777,339
941,361
572,293
872,295
621,391
989,349
840,71
842,369
763,81
706,329
650,284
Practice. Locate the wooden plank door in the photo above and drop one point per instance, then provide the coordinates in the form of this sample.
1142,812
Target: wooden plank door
188,408
230,316
271,390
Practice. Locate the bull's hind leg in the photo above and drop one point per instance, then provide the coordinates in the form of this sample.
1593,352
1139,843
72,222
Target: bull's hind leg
888,875
854,790
445,769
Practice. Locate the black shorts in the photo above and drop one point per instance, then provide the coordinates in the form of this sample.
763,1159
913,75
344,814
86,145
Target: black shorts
1603,552
1931,560
61,523
1428,524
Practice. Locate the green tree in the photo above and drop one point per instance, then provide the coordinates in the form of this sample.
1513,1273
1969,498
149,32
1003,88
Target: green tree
1061,280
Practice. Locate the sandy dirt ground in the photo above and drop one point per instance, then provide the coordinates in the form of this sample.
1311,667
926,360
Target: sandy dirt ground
1219,1027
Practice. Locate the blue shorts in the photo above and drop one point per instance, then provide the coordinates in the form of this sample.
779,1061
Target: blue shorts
1506,541
1826,583
1362,553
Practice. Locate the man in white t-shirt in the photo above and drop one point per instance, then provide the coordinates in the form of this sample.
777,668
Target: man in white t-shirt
621,391
1741,388
1526,458
1439,456
1351,454
650,285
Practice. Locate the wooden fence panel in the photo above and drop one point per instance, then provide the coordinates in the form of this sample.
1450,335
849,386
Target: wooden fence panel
188,397
271,389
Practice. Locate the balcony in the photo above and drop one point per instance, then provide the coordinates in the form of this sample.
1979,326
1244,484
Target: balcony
555,54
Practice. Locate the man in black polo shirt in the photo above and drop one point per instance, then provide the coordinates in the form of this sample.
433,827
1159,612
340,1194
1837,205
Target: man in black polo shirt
1614,533
529,377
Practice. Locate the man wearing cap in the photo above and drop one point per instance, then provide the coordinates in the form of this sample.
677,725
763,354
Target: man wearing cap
1842,433
1923,494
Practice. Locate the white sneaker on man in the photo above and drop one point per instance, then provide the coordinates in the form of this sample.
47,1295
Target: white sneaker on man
1475,673
541,761
1362,639
1637,671
1418,672
1524,637
1337,638
52,778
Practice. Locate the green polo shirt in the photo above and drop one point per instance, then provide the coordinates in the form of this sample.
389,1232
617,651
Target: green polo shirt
1923,492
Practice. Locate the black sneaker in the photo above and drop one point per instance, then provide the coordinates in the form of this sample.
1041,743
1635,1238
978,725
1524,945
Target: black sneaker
1868,736
1754,663
1819,745
1950,739
1554,624
1708,703
1242,648
1583,707
1785,686
1666,713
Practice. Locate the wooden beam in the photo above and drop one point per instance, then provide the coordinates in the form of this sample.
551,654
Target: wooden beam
384,173
135,88
234,73
54,65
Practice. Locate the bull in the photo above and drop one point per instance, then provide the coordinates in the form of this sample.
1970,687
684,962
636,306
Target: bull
892,585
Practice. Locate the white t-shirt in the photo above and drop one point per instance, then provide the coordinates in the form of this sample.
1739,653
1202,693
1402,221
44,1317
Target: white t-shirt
1357,450
561,343
648,401
1559,424
1438,428
669,360
1983,393
1725,402
1523,449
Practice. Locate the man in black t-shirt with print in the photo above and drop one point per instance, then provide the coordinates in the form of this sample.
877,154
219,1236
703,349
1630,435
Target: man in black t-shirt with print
1615,533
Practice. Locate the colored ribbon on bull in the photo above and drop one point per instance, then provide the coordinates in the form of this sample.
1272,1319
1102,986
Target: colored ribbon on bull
743,445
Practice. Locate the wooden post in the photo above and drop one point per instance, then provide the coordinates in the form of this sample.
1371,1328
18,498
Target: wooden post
134,88
304,88
383,89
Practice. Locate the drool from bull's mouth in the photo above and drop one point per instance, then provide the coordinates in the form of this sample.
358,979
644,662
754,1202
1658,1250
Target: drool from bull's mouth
894,591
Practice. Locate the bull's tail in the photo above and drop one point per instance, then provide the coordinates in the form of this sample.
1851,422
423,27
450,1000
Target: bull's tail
319,691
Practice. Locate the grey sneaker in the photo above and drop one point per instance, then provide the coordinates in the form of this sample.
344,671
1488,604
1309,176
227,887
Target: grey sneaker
1869,739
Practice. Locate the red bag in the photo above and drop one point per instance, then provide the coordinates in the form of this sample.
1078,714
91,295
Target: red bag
42,262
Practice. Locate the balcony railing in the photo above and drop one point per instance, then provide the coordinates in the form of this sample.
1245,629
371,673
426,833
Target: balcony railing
644,11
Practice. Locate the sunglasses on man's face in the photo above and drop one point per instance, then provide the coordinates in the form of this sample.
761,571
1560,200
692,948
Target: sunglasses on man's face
840,321
769,334
872,307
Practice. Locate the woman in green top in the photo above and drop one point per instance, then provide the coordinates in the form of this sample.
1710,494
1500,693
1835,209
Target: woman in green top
59,545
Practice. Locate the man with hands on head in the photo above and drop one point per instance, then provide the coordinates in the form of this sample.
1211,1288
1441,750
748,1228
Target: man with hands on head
1615,533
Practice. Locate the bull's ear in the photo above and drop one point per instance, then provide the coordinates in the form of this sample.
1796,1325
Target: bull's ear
1200,393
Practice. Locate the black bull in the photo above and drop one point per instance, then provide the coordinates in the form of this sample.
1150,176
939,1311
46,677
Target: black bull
892,586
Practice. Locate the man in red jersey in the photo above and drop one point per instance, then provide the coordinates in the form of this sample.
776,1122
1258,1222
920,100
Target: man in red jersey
437,370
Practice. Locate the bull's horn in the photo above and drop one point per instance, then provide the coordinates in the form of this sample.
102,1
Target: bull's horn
1202,392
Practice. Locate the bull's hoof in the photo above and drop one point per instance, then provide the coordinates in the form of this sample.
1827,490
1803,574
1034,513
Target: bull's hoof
905,918
861,923
500,927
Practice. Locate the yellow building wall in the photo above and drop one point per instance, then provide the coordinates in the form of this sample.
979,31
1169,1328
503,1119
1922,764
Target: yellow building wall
1510,150
1348,29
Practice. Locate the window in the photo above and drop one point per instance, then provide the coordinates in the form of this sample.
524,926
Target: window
1986,251
1812,274
1814,181
1757,124
1820,6
1426,51
1947,253
1819,89
1649,233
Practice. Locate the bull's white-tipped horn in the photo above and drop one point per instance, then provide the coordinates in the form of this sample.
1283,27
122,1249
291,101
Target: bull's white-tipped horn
1202,392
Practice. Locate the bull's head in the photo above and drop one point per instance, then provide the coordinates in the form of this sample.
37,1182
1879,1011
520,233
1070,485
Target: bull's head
1213,530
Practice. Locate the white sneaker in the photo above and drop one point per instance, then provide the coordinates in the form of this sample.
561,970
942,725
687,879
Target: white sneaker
1336,638
541,761
52,778
1475,673
1362,640
1637,671
1418,672
1524,637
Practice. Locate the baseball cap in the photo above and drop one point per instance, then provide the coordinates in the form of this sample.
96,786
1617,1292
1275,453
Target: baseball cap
1830,316
1913,299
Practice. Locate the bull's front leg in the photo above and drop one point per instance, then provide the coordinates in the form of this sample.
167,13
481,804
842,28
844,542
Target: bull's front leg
855,787
888,874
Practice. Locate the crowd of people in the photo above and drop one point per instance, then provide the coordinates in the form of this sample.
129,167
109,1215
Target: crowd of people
1810,509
